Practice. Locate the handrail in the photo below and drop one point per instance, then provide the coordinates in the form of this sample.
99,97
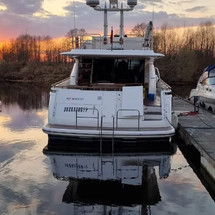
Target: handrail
59,82
90,38
113,136
101,126
101,135
117,118
85,117
158,73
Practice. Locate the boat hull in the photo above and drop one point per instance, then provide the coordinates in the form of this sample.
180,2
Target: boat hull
207,100
106,145
73,138
124,133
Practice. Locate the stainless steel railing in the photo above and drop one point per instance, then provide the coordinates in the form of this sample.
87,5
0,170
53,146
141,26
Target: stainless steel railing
138,117
89,117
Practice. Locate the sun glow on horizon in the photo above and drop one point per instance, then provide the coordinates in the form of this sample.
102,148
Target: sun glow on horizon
56,13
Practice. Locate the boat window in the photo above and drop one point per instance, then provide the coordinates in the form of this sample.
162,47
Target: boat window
137,68
118,71
205,80
212,73
103,70
85,67
211,81
208,78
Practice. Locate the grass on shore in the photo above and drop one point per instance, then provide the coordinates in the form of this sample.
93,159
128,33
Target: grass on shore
39,73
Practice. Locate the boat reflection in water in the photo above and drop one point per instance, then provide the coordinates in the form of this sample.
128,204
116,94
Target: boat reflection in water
121,183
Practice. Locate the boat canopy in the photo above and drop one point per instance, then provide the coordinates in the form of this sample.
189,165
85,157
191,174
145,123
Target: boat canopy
140,54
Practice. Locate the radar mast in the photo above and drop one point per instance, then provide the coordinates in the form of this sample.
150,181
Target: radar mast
113,7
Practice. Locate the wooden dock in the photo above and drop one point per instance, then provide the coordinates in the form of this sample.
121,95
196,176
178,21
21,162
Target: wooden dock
197,129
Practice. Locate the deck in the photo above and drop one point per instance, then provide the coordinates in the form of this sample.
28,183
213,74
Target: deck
197,129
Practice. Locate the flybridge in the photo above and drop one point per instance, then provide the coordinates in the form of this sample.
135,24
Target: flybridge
113,7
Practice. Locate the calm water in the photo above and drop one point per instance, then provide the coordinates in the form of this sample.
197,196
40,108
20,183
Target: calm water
143,183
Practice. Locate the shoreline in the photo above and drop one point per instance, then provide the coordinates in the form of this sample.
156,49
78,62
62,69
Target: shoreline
42,74
45,74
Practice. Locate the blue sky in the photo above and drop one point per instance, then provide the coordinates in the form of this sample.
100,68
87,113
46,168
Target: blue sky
57,17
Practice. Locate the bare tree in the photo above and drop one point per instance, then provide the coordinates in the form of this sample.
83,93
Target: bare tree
75,37
205,38
188,41
48,45
27,48
139,29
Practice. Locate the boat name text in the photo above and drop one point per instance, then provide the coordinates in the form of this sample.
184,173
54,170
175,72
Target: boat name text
75,109
70,165
77,99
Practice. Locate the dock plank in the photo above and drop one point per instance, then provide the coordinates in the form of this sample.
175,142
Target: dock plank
197,129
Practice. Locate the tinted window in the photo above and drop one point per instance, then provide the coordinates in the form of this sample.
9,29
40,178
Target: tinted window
212,73
118,71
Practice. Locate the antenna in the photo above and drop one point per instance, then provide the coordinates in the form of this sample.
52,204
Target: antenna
153,13
148,37
74,14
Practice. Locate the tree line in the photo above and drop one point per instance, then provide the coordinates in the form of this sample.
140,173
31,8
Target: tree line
28,48
187,51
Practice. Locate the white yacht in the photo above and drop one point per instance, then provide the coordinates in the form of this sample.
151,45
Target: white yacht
204,93
114,91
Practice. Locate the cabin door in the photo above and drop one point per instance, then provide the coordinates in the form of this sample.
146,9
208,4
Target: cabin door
132,101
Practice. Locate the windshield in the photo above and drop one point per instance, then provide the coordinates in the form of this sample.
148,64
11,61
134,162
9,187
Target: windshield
208,77
212,73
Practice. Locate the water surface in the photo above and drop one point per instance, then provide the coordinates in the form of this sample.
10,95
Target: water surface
129,183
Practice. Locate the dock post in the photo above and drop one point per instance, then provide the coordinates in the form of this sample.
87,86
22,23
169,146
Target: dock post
196,104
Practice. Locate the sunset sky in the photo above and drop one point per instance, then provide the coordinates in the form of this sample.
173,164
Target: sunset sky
57,17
